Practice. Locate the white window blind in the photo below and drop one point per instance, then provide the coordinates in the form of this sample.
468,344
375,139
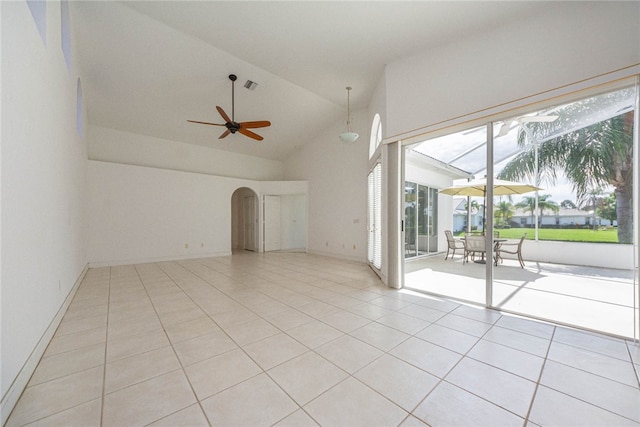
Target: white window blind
375,216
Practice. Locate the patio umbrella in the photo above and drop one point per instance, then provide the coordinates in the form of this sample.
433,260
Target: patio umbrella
478,188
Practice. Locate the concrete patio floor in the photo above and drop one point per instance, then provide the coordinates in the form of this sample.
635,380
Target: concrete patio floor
597,299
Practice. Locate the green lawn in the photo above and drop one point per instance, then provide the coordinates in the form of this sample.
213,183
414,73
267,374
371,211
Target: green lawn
566,235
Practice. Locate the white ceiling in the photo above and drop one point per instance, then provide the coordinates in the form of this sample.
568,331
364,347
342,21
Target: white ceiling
148,66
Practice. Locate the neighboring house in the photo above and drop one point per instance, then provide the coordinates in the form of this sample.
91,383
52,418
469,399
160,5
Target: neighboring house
460,215
563,218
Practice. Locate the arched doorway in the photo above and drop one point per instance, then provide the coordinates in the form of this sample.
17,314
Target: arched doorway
244,220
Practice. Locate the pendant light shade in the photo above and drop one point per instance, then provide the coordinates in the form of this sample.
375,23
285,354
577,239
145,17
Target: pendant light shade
348,135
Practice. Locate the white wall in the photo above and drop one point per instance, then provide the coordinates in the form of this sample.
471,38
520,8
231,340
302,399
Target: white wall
140,214
566,43
43,187
111,145
337,199
604,255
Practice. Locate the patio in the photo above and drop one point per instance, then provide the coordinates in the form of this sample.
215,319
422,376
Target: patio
599,299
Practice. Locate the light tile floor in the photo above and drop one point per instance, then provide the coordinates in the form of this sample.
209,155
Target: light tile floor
302,340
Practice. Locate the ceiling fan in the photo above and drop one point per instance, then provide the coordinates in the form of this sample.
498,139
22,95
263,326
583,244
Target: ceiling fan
230,123
506,126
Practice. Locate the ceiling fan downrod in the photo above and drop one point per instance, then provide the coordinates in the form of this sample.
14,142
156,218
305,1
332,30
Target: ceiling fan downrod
233,79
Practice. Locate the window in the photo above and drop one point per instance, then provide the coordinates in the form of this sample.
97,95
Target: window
376,135
65,32
38,10
375,216
79,107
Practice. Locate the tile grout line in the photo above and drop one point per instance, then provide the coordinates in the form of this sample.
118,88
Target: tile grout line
175,353
633,365
106,343
544,363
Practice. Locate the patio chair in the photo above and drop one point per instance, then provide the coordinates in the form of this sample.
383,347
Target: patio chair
516,249
452,244
472,246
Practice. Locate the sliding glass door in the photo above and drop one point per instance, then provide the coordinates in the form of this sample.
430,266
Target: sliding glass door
420,219
565,234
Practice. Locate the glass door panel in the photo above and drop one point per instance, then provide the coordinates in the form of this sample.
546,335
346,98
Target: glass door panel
410,219
576,263
432,220
440,163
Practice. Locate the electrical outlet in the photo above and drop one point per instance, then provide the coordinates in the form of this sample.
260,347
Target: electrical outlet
354,247
186,246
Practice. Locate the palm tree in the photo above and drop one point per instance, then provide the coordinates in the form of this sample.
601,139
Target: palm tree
592,156
528,203
504,212
474,206
592,203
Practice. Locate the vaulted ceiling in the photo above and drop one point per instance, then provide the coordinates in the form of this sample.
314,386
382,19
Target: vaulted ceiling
148,66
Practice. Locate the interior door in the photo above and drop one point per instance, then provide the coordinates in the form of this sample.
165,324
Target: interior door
272,223
250,221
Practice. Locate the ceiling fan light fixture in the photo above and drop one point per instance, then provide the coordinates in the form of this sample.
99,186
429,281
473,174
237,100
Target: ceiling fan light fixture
348,135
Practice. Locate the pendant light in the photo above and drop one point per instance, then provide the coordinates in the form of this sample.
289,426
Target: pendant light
348,135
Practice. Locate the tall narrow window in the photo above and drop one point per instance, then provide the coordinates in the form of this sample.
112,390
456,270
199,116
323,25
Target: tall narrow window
38,10
65,32
376,135
79,108
375,216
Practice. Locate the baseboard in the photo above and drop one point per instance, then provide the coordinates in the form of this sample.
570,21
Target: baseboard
338,256
14,392
114,263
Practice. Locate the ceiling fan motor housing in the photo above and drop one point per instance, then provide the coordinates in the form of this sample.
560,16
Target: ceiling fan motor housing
233,126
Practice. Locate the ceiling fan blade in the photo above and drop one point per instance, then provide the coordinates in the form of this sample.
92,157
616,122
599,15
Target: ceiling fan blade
506,127
223,114
204,123
250,134
225,133
258,124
